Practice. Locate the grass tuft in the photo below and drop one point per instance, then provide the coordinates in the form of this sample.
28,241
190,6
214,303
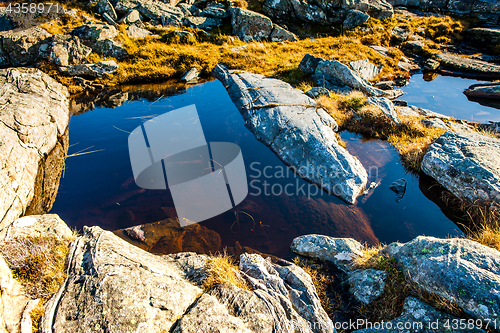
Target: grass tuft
221,269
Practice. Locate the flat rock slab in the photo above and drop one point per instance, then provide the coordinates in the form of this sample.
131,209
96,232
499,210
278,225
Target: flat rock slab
459,270
367,285
34,115
484,91
289,122
467,164
468,66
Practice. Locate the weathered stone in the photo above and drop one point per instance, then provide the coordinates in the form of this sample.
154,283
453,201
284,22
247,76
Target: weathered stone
47,225
104,6
109,48
114,284
215,10
420,318
466,164
415,46
287,121
34,116
380,49
66,50
385,85
434,123
484,35
280,34
399,34
431,64
315,92
93,70
109,20
132,17
24,46
153,10
484,91
309,63
366,285
189,10
248,25
366,69
191,75
290,286
466,65
133,31
339,251
399,187
447,267
89,34
386,106
197,22
354,18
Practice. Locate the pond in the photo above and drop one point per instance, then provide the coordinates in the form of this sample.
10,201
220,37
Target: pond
97,187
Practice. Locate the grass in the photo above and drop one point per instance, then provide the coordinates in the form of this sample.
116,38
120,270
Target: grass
221,269
411,138
38,263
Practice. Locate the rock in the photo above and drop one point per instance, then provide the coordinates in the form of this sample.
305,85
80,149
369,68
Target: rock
339,251
399,34
415,46
385,85
354,18
446,267
380,49
288,10
481,35
112,283
280,34
150,9
47,225
484,91
366,69
287,121
93,70
309,63
191,75
23,47
197,22
6,21
404,66
463,65
315,92
133,31
14,305
248,25
109,20
132,17
105,7
431,64
366,285
494,127
215,10
399,187
291,286
89,34
466,164
110,48
189,10
67,50
434,123
34,117
135,233
379,9
422,317
386,106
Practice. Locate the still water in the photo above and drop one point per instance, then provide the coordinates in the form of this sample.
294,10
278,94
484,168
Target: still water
98,188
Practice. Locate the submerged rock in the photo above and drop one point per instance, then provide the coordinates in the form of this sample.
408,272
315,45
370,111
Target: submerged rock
339,251
399,187
366,285
34,116
484,91
419,317
459,270
466,164
287,120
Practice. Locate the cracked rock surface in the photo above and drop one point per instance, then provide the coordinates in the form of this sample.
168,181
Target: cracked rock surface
294,128
34,115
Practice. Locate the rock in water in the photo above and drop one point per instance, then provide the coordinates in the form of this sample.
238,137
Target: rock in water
399,187
422,318
459,270
287,120
191,75
467,66
35,114
339,251
484,91
467,164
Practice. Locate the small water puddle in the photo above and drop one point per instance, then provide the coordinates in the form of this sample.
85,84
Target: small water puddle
444,94
98,188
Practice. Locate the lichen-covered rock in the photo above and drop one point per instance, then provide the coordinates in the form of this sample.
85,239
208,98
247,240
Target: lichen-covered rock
468,66
89,34
280,34
113,285
22,47
459,270
484,91
199,22
34,117
386,106
340,251
466,164
104,6
248,25
47,225
215,10
133,31
419,317
93,70
289,285
132,17
287,120
67,50
354,18
399,34
315,92
366,69
191,75
153,10
110,48
366,285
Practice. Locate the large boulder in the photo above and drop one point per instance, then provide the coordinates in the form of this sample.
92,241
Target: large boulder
22,47
33,120
150,9
90,33
466,164
340,251
459,270
248,25
287,120
68,50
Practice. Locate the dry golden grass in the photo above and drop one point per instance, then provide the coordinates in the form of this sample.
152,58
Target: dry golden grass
220,270
487,235
411,139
